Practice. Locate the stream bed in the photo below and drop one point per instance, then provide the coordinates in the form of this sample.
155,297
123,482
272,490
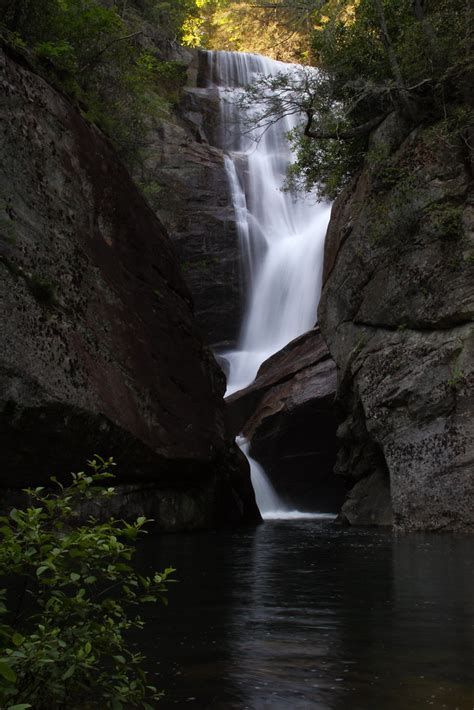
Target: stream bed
306,614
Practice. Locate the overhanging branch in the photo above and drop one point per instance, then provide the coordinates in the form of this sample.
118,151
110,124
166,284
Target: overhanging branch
348,134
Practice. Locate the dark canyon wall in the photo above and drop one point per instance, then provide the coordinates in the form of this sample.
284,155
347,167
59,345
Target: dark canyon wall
397,313
100,351
186,183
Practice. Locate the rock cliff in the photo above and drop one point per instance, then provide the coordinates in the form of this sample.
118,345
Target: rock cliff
186,183
100,352
397,313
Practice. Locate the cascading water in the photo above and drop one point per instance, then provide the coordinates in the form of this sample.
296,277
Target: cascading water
265,495
269,502
281,240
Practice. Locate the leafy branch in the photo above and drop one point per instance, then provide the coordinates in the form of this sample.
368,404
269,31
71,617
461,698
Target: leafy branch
67,647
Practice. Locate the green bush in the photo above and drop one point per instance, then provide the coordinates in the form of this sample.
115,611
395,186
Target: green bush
65,645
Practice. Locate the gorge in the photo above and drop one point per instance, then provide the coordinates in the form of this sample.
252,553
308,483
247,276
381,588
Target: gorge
298,397
200,154
284,381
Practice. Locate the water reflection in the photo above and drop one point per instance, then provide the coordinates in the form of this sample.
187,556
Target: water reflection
301,614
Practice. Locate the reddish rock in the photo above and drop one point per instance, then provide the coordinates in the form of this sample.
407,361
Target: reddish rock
100,351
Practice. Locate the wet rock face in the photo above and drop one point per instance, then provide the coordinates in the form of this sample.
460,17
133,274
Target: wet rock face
187,186
100,352
397,312
289,417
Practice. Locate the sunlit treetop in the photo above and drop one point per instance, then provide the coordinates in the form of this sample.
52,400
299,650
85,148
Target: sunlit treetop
279,29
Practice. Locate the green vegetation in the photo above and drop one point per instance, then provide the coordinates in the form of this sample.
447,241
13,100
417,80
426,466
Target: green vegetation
445,220
63,642
108,56
278,29
457,378
374,57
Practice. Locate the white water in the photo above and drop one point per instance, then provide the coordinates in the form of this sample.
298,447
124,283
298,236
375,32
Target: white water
281,239
269,503
281,242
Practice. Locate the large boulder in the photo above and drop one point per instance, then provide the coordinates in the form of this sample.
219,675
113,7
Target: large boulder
397,313
288,414
100,351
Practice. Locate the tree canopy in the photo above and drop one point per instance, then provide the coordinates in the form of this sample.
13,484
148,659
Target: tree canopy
373,57
108,55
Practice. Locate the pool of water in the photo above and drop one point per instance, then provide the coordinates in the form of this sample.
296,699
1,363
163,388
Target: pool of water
305,614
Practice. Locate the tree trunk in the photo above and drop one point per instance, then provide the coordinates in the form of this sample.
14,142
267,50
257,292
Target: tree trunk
393,60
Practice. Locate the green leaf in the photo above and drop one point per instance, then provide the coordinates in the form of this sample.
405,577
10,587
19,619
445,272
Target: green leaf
88,648
17,639
41,570
7,672
68,673
74,577
22,706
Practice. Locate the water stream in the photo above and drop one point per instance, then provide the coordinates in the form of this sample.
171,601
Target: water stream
281,239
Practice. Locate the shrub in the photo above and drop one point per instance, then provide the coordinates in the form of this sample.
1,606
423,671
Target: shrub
64,645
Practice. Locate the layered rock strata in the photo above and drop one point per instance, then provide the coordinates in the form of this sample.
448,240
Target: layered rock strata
397,313
100,351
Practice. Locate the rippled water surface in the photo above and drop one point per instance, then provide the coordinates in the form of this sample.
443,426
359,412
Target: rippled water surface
303,614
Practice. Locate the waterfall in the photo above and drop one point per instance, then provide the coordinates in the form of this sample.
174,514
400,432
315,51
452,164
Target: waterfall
281,242
269,502
281,239
265,495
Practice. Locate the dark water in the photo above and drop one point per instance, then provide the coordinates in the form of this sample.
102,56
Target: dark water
302,614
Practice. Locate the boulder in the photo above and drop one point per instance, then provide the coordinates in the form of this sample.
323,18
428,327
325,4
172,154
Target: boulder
288,414
100,350
397,313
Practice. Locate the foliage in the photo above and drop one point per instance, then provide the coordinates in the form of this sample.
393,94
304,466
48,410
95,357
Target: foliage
279,30
374,57
64,644
105,55
326,166
457,378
